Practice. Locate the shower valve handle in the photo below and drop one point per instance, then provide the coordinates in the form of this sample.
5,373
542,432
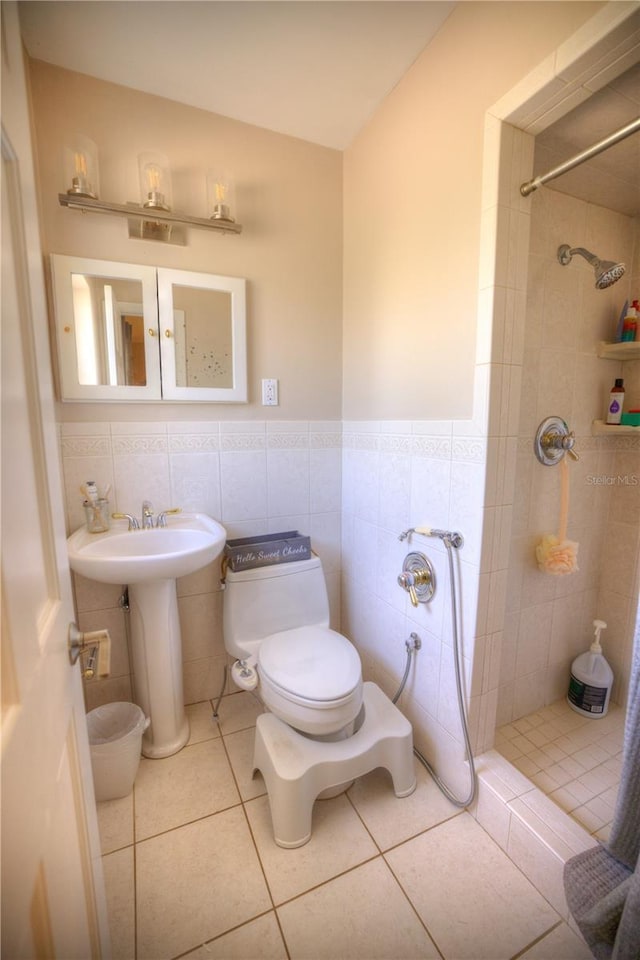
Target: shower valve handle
409,581
561,441
417,578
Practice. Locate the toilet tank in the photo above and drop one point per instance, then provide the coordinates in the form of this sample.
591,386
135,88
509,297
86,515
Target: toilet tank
266,600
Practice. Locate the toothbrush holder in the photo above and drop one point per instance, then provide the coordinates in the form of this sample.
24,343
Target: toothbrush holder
97,515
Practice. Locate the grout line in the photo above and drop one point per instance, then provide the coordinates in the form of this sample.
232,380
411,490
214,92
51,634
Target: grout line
410,902
255,845
538,939
135,876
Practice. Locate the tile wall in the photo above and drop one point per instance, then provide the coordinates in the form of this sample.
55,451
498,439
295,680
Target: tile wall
397,475
258,477
549,619
254,477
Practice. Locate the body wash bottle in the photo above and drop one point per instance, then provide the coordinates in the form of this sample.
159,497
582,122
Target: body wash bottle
616,399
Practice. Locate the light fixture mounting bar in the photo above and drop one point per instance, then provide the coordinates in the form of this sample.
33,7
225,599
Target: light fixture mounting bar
132,210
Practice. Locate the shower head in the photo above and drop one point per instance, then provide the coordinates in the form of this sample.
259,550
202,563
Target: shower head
607,272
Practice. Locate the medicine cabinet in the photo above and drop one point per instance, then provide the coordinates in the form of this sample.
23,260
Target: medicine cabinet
126,332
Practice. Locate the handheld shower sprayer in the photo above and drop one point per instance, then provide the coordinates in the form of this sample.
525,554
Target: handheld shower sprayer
450,536
451,539
607,272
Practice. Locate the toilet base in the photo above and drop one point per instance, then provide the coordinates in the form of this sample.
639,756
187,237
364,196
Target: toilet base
297,769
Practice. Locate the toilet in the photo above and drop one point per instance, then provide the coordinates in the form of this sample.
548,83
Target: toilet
324,726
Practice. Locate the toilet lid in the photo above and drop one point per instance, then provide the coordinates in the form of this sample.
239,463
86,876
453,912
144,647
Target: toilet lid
312,662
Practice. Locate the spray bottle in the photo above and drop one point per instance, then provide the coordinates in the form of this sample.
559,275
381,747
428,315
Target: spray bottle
591,679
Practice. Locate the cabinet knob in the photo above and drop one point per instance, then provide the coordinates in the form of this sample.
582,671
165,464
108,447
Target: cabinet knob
152,332
168,333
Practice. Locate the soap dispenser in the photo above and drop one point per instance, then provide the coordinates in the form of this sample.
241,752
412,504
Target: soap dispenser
591,679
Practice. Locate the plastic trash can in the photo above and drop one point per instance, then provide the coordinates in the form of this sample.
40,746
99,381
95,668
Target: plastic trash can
115,741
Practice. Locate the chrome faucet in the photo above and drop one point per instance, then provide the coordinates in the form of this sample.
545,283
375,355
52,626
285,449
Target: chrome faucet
147,515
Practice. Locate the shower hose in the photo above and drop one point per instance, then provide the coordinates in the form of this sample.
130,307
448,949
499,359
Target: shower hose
463,718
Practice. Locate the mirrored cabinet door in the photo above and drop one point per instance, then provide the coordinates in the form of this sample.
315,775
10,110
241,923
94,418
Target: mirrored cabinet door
126,332
202,336
106,329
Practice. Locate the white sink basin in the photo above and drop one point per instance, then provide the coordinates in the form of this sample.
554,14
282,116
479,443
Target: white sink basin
128,556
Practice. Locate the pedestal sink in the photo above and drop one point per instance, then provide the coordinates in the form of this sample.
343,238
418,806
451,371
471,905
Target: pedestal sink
148,562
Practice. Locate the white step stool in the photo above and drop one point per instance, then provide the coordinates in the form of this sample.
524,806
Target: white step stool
297,769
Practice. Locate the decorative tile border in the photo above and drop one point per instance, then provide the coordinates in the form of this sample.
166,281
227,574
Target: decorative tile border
325,441
418,443
288,441
194,443
589,443
470,449
435,448
85,446
361,441
396,444
123,445
242,441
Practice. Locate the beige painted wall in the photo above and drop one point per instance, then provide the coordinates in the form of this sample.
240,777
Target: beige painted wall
289,200
412,188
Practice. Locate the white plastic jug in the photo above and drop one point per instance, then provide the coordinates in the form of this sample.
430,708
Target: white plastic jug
591,679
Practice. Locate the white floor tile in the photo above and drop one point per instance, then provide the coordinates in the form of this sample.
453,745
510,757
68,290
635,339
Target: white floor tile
392,820
238,711
195,883
202,726
561,944
338,842
240,750
193,783
259,938
473,900
115,823
121,904
362,915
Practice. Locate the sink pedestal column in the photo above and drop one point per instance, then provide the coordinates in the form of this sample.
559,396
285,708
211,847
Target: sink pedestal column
157,665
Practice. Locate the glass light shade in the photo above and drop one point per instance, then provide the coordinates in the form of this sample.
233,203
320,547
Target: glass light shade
81,167
155,181
220,196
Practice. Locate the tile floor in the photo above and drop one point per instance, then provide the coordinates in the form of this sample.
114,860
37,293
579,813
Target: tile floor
191,869
575,760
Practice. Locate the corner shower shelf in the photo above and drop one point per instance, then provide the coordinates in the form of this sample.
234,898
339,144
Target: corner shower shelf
629,350
600,429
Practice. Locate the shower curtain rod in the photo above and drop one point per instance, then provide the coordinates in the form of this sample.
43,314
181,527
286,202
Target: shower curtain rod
530,185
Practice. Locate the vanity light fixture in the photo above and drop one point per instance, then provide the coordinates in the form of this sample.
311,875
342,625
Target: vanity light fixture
155,191
155,181
81,167
166,225
220,196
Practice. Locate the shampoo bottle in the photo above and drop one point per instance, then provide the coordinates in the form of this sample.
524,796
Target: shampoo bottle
630,324
591,679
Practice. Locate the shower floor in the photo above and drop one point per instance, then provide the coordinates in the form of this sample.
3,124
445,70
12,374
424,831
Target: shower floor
575,760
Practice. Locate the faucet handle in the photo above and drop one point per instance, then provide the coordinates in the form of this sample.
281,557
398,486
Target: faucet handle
133,522
162,517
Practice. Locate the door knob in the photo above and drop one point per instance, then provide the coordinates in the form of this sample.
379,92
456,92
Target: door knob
98,645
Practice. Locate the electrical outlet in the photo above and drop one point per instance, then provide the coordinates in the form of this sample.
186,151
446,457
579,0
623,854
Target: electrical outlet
269,393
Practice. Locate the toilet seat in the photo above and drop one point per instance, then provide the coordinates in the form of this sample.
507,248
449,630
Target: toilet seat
312,663
311,677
